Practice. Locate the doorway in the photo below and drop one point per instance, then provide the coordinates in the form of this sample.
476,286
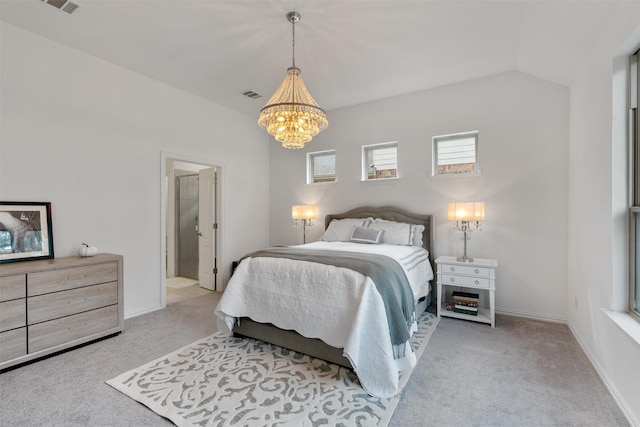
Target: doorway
186,205
191,206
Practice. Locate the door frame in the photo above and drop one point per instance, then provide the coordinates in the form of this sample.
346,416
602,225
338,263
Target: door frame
219,214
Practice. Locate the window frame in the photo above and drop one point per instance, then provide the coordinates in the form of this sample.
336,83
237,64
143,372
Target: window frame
364,163
435,140
310,166
634,186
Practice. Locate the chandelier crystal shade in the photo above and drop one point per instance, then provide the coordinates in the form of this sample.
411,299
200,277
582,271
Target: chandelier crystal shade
292,116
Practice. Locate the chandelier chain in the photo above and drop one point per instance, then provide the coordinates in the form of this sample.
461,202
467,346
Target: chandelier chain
293,42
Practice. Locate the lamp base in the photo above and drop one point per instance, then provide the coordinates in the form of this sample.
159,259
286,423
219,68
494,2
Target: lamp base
464,259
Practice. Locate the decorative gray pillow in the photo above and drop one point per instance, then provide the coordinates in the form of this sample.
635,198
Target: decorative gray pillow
366,235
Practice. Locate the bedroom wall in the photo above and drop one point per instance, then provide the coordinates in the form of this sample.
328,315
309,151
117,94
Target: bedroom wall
598,202
523,146
87,136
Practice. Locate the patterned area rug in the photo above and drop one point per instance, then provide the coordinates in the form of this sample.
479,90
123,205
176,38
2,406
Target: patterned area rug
226,381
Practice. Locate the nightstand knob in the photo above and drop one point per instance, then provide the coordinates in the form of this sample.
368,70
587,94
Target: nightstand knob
452,279
476,271
453,269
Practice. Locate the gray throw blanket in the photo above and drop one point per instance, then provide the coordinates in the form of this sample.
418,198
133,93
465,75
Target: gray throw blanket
385,272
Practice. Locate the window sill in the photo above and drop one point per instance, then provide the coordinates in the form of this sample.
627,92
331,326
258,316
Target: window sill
626,322
457,176
380,179
322,183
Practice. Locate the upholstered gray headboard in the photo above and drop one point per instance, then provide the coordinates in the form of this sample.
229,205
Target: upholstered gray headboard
392,213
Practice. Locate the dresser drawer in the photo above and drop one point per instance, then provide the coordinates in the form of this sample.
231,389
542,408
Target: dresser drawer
59,304
468,270
13,314
13,287
66,329
69,278
476,282
13,344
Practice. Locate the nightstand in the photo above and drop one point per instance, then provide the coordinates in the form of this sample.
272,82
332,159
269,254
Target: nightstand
477,275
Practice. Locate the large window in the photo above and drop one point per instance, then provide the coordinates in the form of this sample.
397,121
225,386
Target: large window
455,154
380,161
321,166
634,228
634,300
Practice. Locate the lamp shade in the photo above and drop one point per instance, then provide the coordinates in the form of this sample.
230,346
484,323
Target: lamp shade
466,211
304,212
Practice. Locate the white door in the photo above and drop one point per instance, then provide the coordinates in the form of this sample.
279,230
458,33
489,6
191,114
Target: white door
206,232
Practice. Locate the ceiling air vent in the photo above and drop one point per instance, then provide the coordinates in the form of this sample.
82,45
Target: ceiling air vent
64,5
251,94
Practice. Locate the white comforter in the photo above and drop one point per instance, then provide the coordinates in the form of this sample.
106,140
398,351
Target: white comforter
339,306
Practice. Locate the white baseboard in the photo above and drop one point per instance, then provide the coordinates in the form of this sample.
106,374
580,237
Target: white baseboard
534,316
612,390
142,311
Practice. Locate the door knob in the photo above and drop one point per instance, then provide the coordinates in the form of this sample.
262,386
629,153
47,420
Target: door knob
200,233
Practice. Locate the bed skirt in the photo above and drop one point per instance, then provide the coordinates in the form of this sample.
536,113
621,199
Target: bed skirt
314,347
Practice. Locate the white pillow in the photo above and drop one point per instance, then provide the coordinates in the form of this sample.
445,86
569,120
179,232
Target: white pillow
366,235
417,237
339,230
395,233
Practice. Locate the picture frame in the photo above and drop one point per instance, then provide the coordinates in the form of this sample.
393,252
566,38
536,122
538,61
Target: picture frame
26,232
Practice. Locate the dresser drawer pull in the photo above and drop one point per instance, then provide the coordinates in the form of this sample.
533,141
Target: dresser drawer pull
452,279
477,282
453,269
476,271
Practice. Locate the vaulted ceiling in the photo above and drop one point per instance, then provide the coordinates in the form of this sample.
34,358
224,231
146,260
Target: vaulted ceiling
349,52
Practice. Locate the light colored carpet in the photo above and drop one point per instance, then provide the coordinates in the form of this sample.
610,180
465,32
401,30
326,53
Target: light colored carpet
523,373
235,381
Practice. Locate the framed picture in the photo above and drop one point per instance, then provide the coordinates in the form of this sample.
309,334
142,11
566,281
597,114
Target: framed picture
25,231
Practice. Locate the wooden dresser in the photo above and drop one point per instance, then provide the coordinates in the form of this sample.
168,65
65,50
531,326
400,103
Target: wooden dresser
47,306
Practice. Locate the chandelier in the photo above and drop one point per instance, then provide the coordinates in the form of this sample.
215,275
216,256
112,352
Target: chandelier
291,115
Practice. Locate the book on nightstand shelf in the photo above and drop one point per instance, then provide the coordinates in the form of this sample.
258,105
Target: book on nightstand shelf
463,311
465,302
468,307
465,296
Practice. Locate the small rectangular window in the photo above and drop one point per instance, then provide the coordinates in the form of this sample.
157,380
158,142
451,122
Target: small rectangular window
380,161
321,166
455,154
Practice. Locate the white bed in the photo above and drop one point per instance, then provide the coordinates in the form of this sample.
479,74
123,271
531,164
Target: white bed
340,307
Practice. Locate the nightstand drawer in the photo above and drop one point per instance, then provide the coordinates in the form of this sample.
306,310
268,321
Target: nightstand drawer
454,279
468,270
